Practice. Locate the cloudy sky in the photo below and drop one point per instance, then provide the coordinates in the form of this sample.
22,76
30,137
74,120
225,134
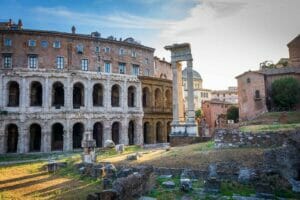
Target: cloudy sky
227,37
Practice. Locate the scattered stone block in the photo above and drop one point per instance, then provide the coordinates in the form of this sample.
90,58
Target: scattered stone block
295,185
146,198
188,174
245,175
106,183
165,176
120,148
135,156
52,166
124,172
109,144
108,195
186,184
212,171
212,185
169,184
110,171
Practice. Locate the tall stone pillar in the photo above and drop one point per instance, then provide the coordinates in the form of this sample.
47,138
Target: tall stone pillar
175,94
190,86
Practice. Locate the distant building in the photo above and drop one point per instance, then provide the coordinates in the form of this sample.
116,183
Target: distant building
229,95
162,69
200,94
254,87
214,113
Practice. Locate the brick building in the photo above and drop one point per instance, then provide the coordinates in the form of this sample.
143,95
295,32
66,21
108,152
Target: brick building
55,86
254,87
229,95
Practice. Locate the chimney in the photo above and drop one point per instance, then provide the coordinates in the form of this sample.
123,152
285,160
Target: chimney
73,29
20,24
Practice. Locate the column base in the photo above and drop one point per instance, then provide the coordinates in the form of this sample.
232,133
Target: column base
184,129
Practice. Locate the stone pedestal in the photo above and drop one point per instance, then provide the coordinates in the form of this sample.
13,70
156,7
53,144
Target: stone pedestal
88,144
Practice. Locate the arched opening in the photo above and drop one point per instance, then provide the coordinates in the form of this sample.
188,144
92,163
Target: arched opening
98,134
78,130
78,95
115,96
13,94
131,96
36,94
168,99
131,133
12,138
98,95
146,97
158,98
58,95
115,132
35,137
146,133
168,131
159,133
57,137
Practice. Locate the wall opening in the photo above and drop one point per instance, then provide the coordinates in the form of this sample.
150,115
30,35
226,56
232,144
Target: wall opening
115,96
168,131
78,95
58,95
12,138
98,134
131,96
159,133
13,94
146,129
78,130
36,94
35,138
146,97
131,133
168,99
98,95
158,98
115,132
57,135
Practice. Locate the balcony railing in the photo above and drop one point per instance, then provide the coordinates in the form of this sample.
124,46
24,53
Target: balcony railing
157,109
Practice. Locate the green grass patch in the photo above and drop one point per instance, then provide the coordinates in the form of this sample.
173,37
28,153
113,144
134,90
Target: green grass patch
230,188
270,128
206,146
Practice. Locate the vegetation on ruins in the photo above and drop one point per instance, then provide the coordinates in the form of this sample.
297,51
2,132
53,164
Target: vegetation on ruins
233,113
285,93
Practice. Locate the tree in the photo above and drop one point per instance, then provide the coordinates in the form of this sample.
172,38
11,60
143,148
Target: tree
198,114
286,93
233,113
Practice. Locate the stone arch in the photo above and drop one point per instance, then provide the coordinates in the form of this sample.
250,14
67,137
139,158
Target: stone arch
58,94
115,95
159,132
146,97
158,98
36,94
98,133
115,132
78,95
131,93
146,130
13,94
98,95
168,131
131,132
57,137
12,135
168,99
35,137
78,131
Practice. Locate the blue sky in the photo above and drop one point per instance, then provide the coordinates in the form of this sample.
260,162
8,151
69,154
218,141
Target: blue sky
227,37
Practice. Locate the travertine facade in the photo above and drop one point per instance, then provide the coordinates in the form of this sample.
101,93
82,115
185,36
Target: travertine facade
162,69
56,86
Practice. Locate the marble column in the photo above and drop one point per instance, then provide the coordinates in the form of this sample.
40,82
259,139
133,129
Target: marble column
190,86
175,94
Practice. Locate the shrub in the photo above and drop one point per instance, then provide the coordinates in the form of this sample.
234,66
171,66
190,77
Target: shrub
233,113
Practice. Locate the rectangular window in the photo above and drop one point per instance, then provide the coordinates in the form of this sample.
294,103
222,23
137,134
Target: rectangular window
133,54
31,43
56,44
97,49
106,49
135,70
121,51
122,68
33,61
59,62
147,61
147,72
79,48
84,64
107,67
7,61
7,42
44,44
99,69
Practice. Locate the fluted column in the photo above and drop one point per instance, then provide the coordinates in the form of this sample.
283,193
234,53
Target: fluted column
191,109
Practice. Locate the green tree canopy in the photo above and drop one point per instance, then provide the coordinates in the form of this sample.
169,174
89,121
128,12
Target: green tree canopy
198,113
233,113
286,93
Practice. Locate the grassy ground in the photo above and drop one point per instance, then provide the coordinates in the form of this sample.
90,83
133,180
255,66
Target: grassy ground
29,181
196,156
274,117
270,127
